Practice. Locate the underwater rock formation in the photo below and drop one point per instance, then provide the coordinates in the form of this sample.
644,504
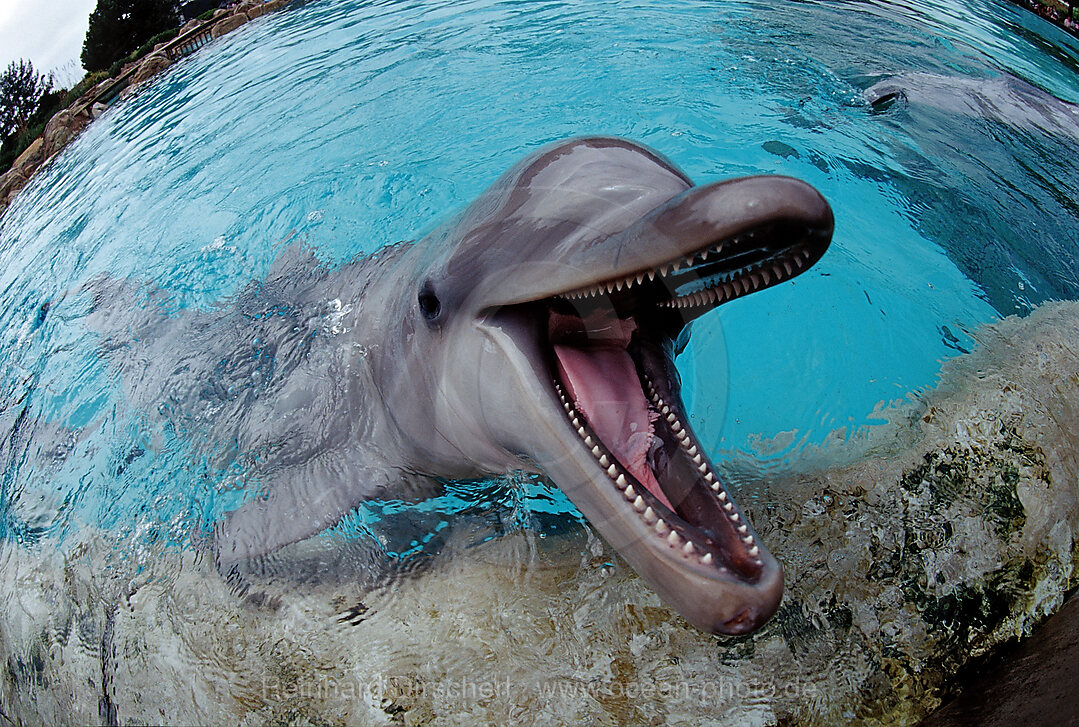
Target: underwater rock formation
912,551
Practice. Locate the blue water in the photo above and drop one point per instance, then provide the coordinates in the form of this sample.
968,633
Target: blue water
348,125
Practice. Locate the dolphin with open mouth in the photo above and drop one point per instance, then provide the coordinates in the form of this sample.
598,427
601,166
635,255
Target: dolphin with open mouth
535,331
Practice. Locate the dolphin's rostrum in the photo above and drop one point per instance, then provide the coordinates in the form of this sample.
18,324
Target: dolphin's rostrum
535,331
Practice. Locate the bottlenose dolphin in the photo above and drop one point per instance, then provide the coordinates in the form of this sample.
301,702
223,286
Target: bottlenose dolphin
535,331
1005,99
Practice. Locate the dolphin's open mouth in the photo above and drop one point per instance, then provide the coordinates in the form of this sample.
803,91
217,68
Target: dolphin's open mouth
609,369
607,348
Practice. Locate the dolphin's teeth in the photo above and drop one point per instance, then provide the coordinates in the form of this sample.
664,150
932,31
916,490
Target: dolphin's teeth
787,267
729,507
666,410
629,492
697,459
638,504
754,551
703,467
682,437
743,528
621,480
710,477
596,451
677,426
674,539
580,431
591,443
649,515
652,274
706,559
676,266
692,451
640,278
612,470
717,488
603,461
767,278
662,527
688,548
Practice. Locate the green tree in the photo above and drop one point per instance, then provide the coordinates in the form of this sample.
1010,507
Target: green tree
118,27
21,90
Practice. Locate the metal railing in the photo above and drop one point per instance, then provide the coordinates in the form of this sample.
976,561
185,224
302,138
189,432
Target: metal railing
180,46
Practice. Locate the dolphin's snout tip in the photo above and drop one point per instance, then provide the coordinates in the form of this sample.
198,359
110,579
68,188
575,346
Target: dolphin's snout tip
746,621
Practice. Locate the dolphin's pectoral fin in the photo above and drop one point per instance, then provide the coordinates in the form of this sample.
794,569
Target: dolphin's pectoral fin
303,500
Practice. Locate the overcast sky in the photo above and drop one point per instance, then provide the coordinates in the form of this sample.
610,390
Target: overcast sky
48,33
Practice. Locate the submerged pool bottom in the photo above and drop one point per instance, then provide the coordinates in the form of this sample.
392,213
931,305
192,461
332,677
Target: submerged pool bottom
952,530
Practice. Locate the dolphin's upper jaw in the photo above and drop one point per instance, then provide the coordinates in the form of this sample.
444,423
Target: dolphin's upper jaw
681,529
717,273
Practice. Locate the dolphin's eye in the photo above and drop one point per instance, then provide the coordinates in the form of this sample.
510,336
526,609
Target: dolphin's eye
430,305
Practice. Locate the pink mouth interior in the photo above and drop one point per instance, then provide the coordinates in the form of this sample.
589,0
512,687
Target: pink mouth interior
602,379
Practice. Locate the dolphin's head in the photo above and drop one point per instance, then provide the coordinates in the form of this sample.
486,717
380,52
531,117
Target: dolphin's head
549,314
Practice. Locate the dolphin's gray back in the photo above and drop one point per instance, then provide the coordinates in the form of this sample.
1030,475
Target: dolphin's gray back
272,380
1005,99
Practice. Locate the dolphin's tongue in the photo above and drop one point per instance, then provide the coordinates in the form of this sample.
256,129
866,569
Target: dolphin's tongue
603,382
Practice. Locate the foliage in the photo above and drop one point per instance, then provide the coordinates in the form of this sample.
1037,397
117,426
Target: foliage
119,26
148,46
21,90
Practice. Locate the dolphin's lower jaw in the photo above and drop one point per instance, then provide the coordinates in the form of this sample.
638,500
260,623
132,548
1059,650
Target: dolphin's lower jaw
680,530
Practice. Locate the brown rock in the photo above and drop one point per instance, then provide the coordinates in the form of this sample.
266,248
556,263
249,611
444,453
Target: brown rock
150,67
31,159
10,182
274,5
58,141
189,26
256,10
228,25
58,132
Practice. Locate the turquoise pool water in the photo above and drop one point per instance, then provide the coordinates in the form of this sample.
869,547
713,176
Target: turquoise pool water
350,125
